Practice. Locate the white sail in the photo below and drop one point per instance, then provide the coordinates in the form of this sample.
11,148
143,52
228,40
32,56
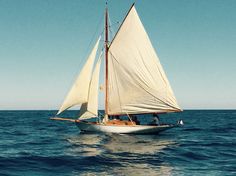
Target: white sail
137,82
79,91
90,109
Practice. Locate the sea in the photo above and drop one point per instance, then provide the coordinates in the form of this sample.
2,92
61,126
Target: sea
32,144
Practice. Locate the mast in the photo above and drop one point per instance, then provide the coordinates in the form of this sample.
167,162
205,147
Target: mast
106,59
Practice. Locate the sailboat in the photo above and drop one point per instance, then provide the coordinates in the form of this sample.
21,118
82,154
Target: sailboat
135,83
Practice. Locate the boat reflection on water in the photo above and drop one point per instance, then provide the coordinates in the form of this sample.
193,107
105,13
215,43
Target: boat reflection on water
85,145
138,155
140,144
123,154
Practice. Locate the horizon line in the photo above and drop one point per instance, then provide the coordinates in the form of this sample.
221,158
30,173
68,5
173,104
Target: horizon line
104,110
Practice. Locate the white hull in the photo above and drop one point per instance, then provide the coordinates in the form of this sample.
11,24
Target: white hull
121,129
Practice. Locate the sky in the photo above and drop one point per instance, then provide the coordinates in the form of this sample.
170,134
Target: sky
43,45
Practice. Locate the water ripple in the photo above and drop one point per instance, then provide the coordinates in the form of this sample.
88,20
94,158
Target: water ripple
31,144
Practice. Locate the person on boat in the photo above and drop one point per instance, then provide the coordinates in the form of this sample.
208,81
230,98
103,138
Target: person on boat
155,120
116,117
135,119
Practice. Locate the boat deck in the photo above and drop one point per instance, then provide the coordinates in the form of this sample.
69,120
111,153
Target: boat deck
120,122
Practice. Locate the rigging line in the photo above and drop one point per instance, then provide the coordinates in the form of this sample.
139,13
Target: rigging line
95,32
86,53
116,23
130,118
110,29
121,24
111,26
99,113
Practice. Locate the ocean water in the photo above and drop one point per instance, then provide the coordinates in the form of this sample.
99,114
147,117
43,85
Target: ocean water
31,144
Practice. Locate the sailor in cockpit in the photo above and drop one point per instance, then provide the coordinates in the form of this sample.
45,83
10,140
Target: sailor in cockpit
155,120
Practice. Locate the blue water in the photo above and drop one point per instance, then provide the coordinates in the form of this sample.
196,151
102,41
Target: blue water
31,144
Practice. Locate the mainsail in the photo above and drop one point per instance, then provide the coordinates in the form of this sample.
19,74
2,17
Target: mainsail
136,80
79,91
90,108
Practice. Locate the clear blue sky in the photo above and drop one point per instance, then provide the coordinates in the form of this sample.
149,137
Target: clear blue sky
43,43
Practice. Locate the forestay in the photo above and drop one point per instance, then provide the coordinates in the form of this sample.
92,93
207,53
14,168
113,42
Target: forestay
79,91
137,82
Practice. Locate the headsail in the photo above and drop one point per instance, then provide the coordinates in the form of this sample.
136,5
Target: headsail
137,82
79,91
90,109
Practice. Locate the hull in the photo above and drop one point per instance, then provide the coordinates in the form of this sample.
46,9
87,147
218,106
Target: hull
121,129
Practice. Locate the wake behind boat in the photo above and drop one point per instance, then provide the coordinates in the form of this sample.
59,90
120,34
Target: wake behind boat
135,83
